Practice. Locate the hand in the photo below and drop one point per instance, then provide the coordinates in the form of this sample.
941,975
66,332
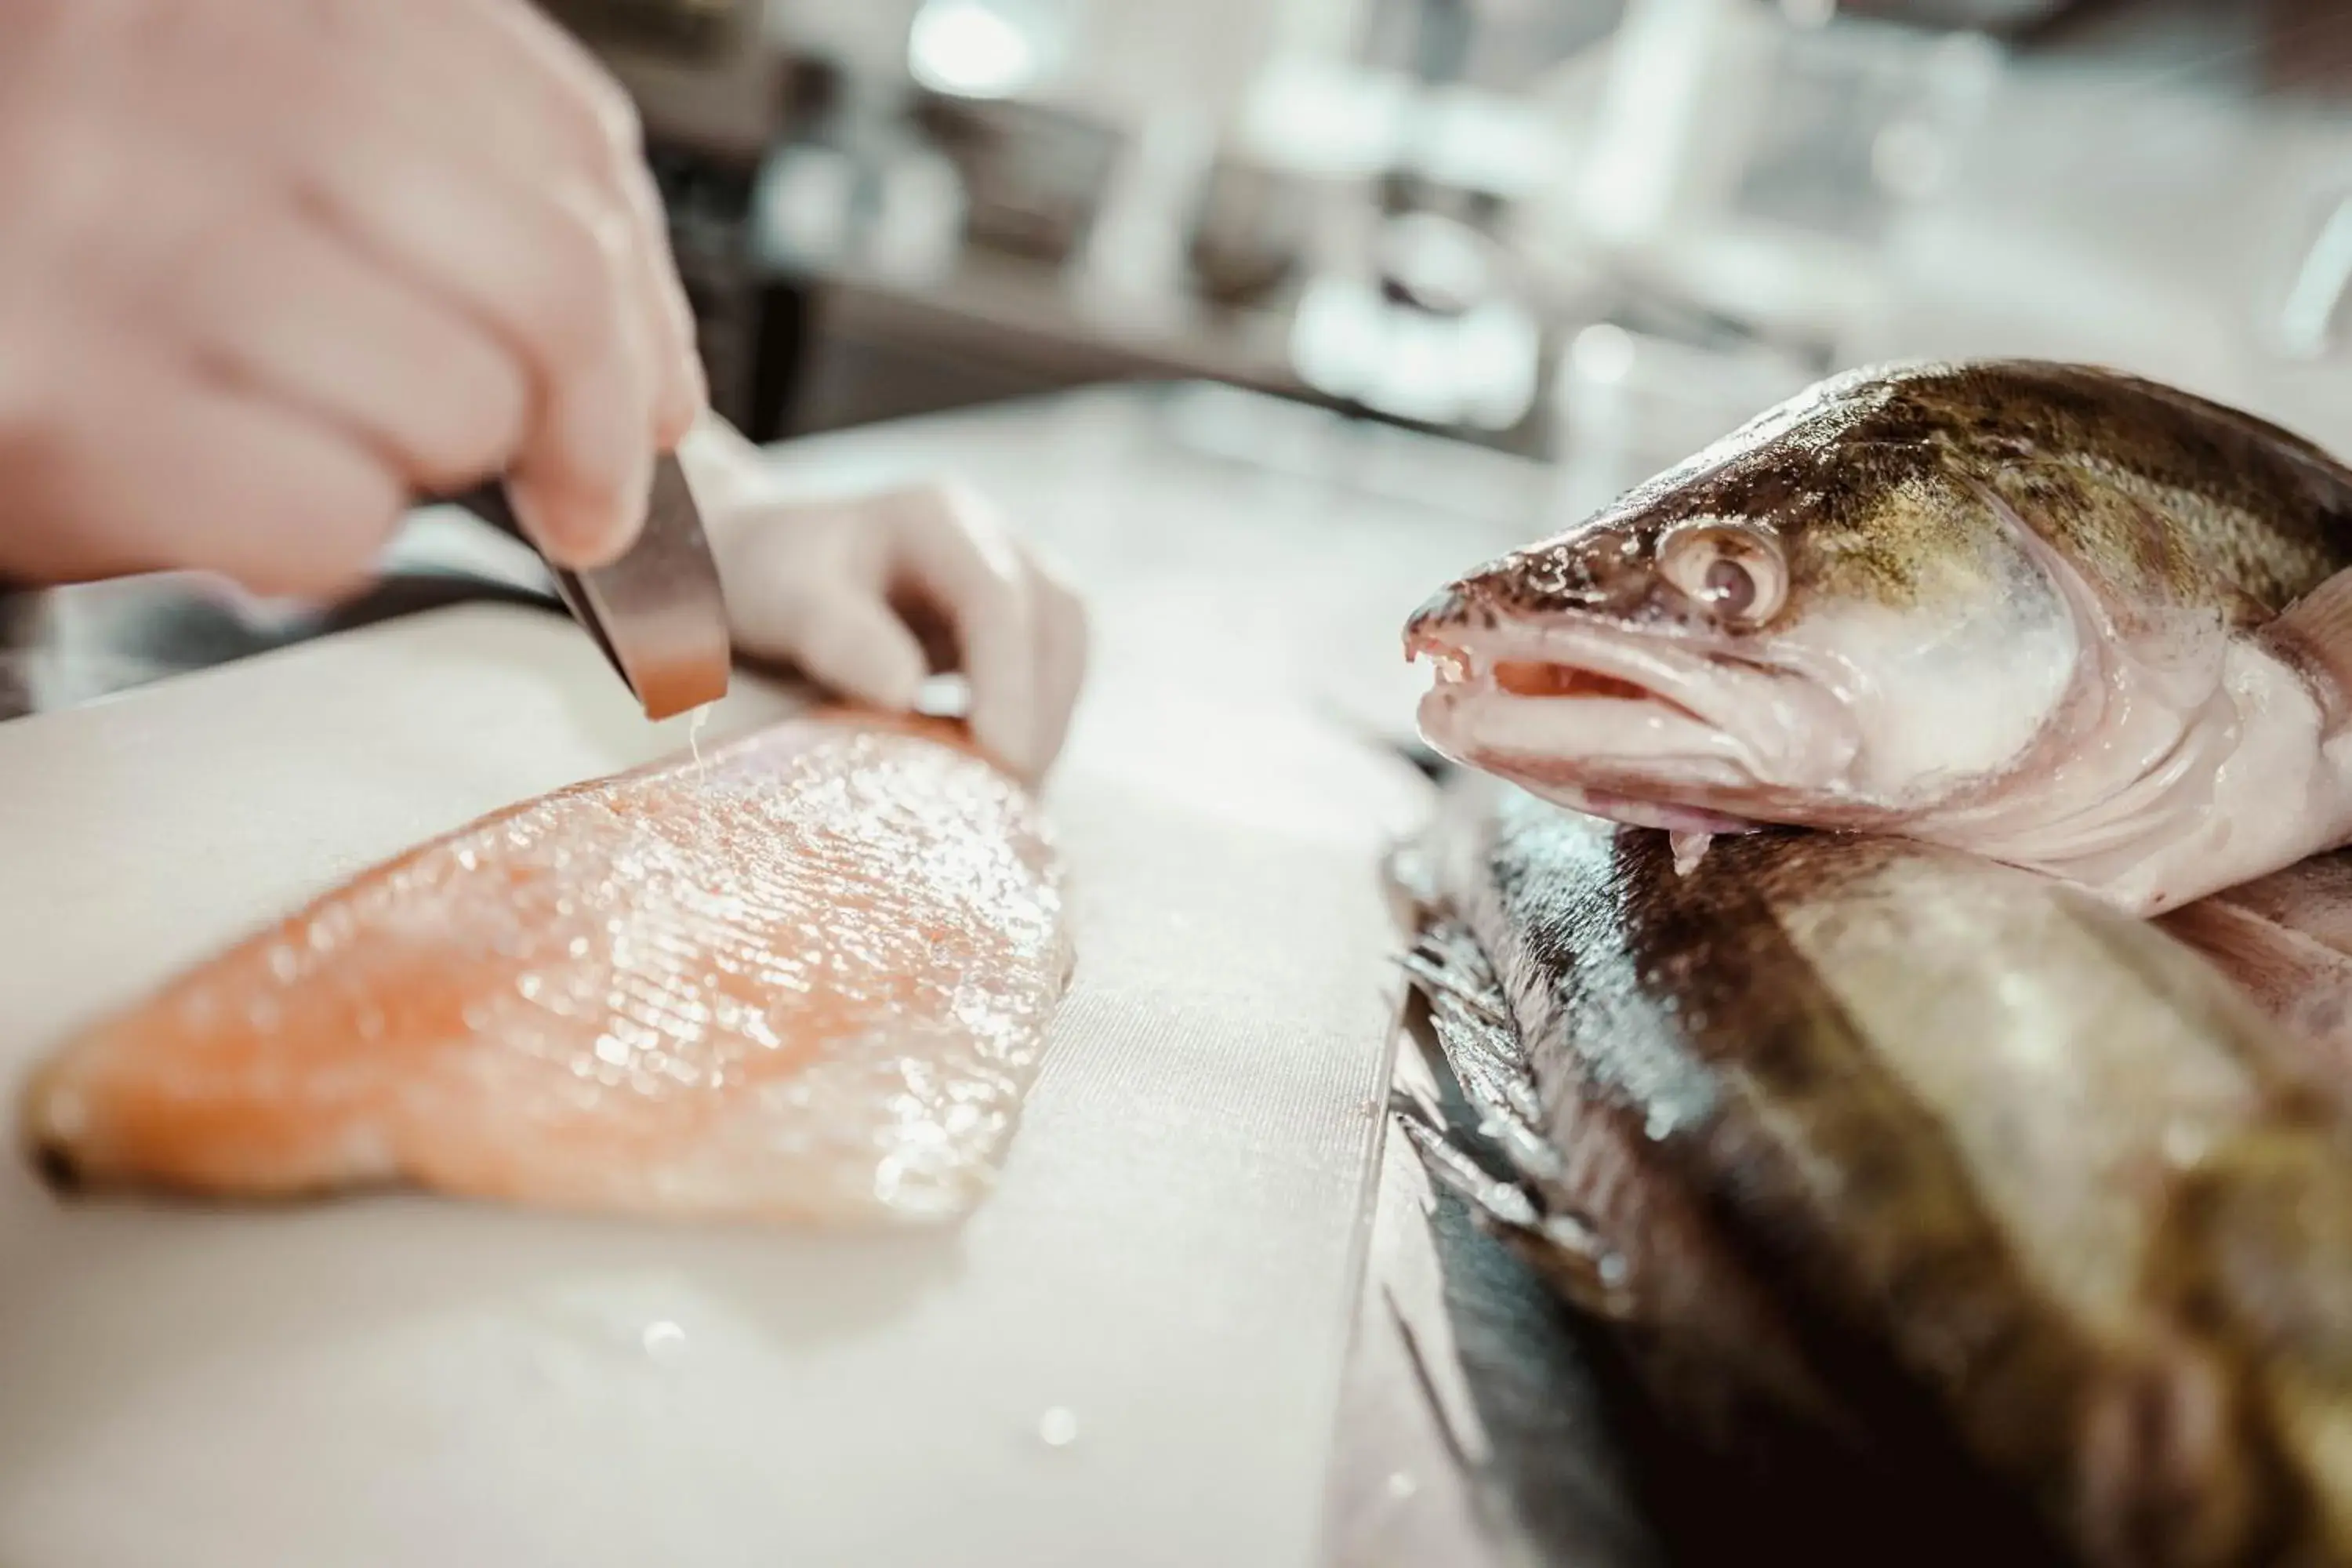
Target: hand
271,270
871,596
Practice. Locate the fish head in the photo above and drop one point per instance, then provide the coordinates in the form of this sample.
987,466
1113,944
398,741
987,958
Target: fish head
1805,624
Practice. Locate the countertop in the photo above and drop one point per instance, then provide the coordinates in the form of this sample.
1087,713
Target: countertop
1238,552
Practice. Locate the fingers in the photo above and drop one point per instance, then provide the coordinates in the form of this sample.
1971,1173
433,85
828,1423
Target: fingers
817,584
544,271
612,138
147,465
452,109
953,550
530,99
799,591
395,246
683,398
283,309
855,644
1062,653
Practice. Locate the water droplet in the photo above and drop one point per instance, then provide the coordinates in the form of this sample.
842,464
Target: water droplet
530,985
1401,1486
665,1341
612,1050
577,947
284,961
1058,1427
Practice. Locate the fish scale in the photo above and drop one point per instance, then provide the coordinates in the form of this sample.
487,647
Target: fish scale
1895,1231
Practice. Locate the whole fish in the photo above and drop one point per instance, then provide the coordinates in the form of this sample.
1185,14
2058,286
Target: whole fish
2059,616
1944,1162
807,976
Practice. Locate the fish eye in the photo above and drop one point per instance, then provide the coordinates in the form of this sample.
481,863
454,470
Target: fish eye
1730,587
1733,573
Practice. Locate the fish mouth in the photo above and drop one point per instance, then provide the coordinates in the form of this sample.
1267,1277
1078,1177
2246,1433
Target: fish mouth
1560,664
1545,677
1652,728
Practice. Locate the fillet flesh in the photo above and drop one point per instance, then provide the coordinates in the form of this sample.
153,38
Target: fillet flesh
806,977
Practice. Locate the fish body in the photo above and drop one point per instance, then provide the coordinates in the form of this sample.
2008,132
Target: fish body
807,976
2053,615
2286,941
1948,1162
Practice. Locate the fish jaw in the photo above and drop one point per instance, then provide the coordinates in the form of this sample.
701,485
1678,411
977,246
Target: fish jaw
1647,728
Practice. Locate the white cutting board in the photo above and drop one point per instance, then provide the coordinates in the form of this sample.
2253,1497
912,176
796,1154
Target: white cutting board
406,1383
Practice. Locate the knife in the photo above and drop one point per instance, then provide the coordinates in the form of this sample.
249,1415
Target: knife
657,613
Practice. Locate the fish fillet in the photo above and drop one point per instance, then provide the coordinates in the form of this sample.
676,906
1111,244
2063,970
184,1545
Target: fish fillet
807,978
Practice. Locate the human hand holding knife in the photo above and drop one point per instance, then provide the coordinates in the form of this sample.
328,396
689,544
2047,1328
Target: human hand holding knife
274,273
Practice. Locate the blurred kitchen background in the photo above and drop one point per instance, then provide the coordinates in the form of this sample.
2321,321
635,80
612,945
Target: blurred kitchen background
1591,233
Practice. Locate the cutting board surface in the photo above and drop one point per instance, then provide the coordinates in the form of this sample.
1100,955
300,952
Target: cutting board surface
1163,1277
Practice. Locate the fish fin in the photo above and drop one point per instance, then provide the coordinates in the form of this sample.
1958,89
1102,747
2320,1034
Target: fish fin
1472,1021
2302,984
1504,1202
1496,1086
1480,1048
1588,1272
2316,633
1447,958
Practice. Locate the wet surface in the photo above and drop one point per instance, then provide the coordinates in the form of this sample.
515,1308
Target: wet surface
807,977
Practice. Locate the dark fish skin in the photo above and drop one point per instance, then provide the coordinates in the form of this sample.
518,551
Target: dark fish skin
1926,1155
1876,480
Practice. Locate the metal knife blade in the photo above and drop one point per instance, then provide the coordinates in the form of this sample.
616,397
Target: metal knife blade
657,613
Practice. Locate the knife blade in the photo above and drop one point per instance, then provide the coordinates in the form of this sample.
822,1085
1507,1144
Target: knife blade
657,613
